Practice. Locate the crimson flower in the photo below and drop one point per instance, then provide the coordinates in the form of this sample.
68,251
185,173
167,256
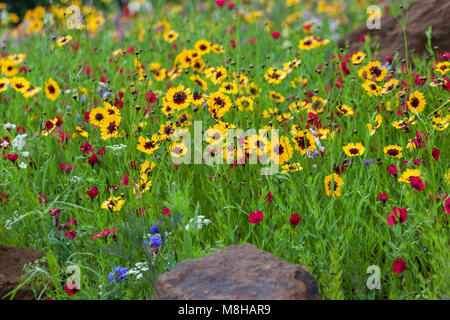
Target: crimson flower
231,5
42,198
71,288
92,192
12,157
383,196
436,153
93,159
70,234
398,215
102,151
294,219
255,217
268,197
417,183
87,148
399,266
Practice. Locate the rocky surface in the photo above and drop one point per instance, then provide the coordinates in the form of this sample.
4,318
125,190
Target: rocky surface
237,272
422,14
12,261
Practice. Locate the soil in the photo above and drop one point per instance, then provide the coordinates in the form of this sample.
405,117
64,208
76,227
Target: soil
12,261
422,14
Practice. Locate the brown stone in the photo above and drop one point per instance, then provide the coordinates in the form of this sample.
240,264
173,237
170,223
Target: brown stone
239,272
12,261
422,14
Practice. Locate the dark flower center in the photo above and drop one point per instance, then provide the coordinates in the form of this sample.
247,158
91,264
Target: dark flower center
392,152
179,97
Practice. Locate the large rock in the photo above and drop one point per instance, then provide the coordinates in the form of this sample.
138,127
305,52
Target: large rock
237,272
12,261
422,14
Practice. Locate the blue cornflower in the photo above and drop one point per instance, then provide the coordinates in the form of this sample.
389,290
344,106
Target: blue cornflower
155,241
154,229
118,274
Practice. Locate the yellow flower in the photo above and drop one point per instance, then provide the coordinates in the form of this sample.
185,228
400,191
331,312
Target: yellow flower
303,141
149,146
31,92
20,84
4,82
218,104
203,46
179,98
244,103
63,41
113,203
358,57
416,102
407,174
337,183
274,76
170,36
393,151
8,67
109,127
199,81
52,89
371,88
345,110
354,149
442,67
281,151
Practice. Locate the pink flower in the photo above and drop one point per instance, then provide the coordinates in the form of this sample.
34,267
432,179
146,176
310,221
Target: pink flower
255,217
398,215
166,211
230,5
276,34
447,205
105,233
392,170
66,167
233,43
102,151
220,3
399,266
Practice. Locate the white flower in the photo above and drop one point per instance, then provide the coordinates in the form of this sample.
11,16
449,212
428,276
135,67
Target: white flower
25,154
23,165
19,142
5,144
201,221
9,125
